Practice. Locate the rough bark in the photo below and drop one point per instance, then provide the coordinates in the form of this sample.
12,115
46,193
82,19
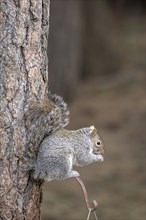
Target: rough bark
24,77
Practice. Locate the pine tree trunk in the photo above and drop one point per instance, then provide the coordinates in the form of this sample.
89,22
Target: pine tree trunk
24,77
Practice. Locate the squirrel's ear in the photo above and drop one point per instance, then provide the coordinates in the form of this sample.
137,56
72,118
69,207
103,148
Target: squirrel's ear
93,131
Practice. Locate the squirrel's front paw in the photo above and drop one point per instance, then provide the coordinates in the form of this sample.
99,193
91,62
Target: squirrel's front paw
100,157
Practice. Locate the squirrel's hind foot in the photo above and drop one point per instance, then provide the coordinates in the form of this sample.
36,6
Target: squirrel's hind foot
71,174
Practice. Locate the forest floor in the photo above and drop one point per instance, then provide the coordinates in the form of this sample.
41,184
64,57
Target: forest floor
116,106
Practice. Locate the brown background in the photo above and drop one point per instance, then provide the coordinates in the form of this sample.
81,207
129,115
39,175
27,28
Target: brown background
97,63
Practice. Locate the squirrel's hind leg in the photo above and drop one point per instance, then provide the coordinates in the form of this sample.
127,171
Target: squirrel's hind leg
71,174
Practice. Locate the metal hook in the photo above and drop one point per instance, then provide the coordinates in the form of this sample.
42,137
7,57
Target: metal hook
94,202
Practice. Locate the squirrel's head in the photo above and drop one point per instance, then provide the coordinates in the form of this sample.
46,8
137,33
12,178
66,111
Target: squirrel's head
96,140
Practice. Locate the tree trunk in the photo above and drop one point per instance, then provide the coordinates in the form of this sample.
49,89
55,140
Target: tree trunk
24,77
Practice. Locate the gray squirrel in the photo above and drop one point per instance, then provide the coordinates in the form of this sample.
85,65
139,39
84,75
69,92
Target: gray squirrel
59,149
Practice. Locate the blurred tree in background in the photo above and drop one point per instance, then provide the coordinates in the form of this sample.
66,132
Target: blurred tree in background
99,52
64,46
82,43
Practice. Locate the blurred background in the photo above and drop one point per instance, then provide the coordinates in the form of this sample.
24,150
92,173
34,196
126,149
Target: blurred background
96,51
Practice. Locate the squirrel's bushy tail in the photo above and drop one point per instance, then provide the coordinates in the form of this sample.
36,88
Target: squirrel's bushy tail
45,117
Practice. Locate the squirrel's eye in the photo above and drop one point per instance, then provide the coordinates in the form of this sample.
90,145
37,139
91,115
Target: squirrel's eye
98,142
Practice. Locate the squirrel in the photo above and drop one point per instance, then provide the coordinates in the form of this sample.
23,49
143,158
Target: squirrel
59,149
